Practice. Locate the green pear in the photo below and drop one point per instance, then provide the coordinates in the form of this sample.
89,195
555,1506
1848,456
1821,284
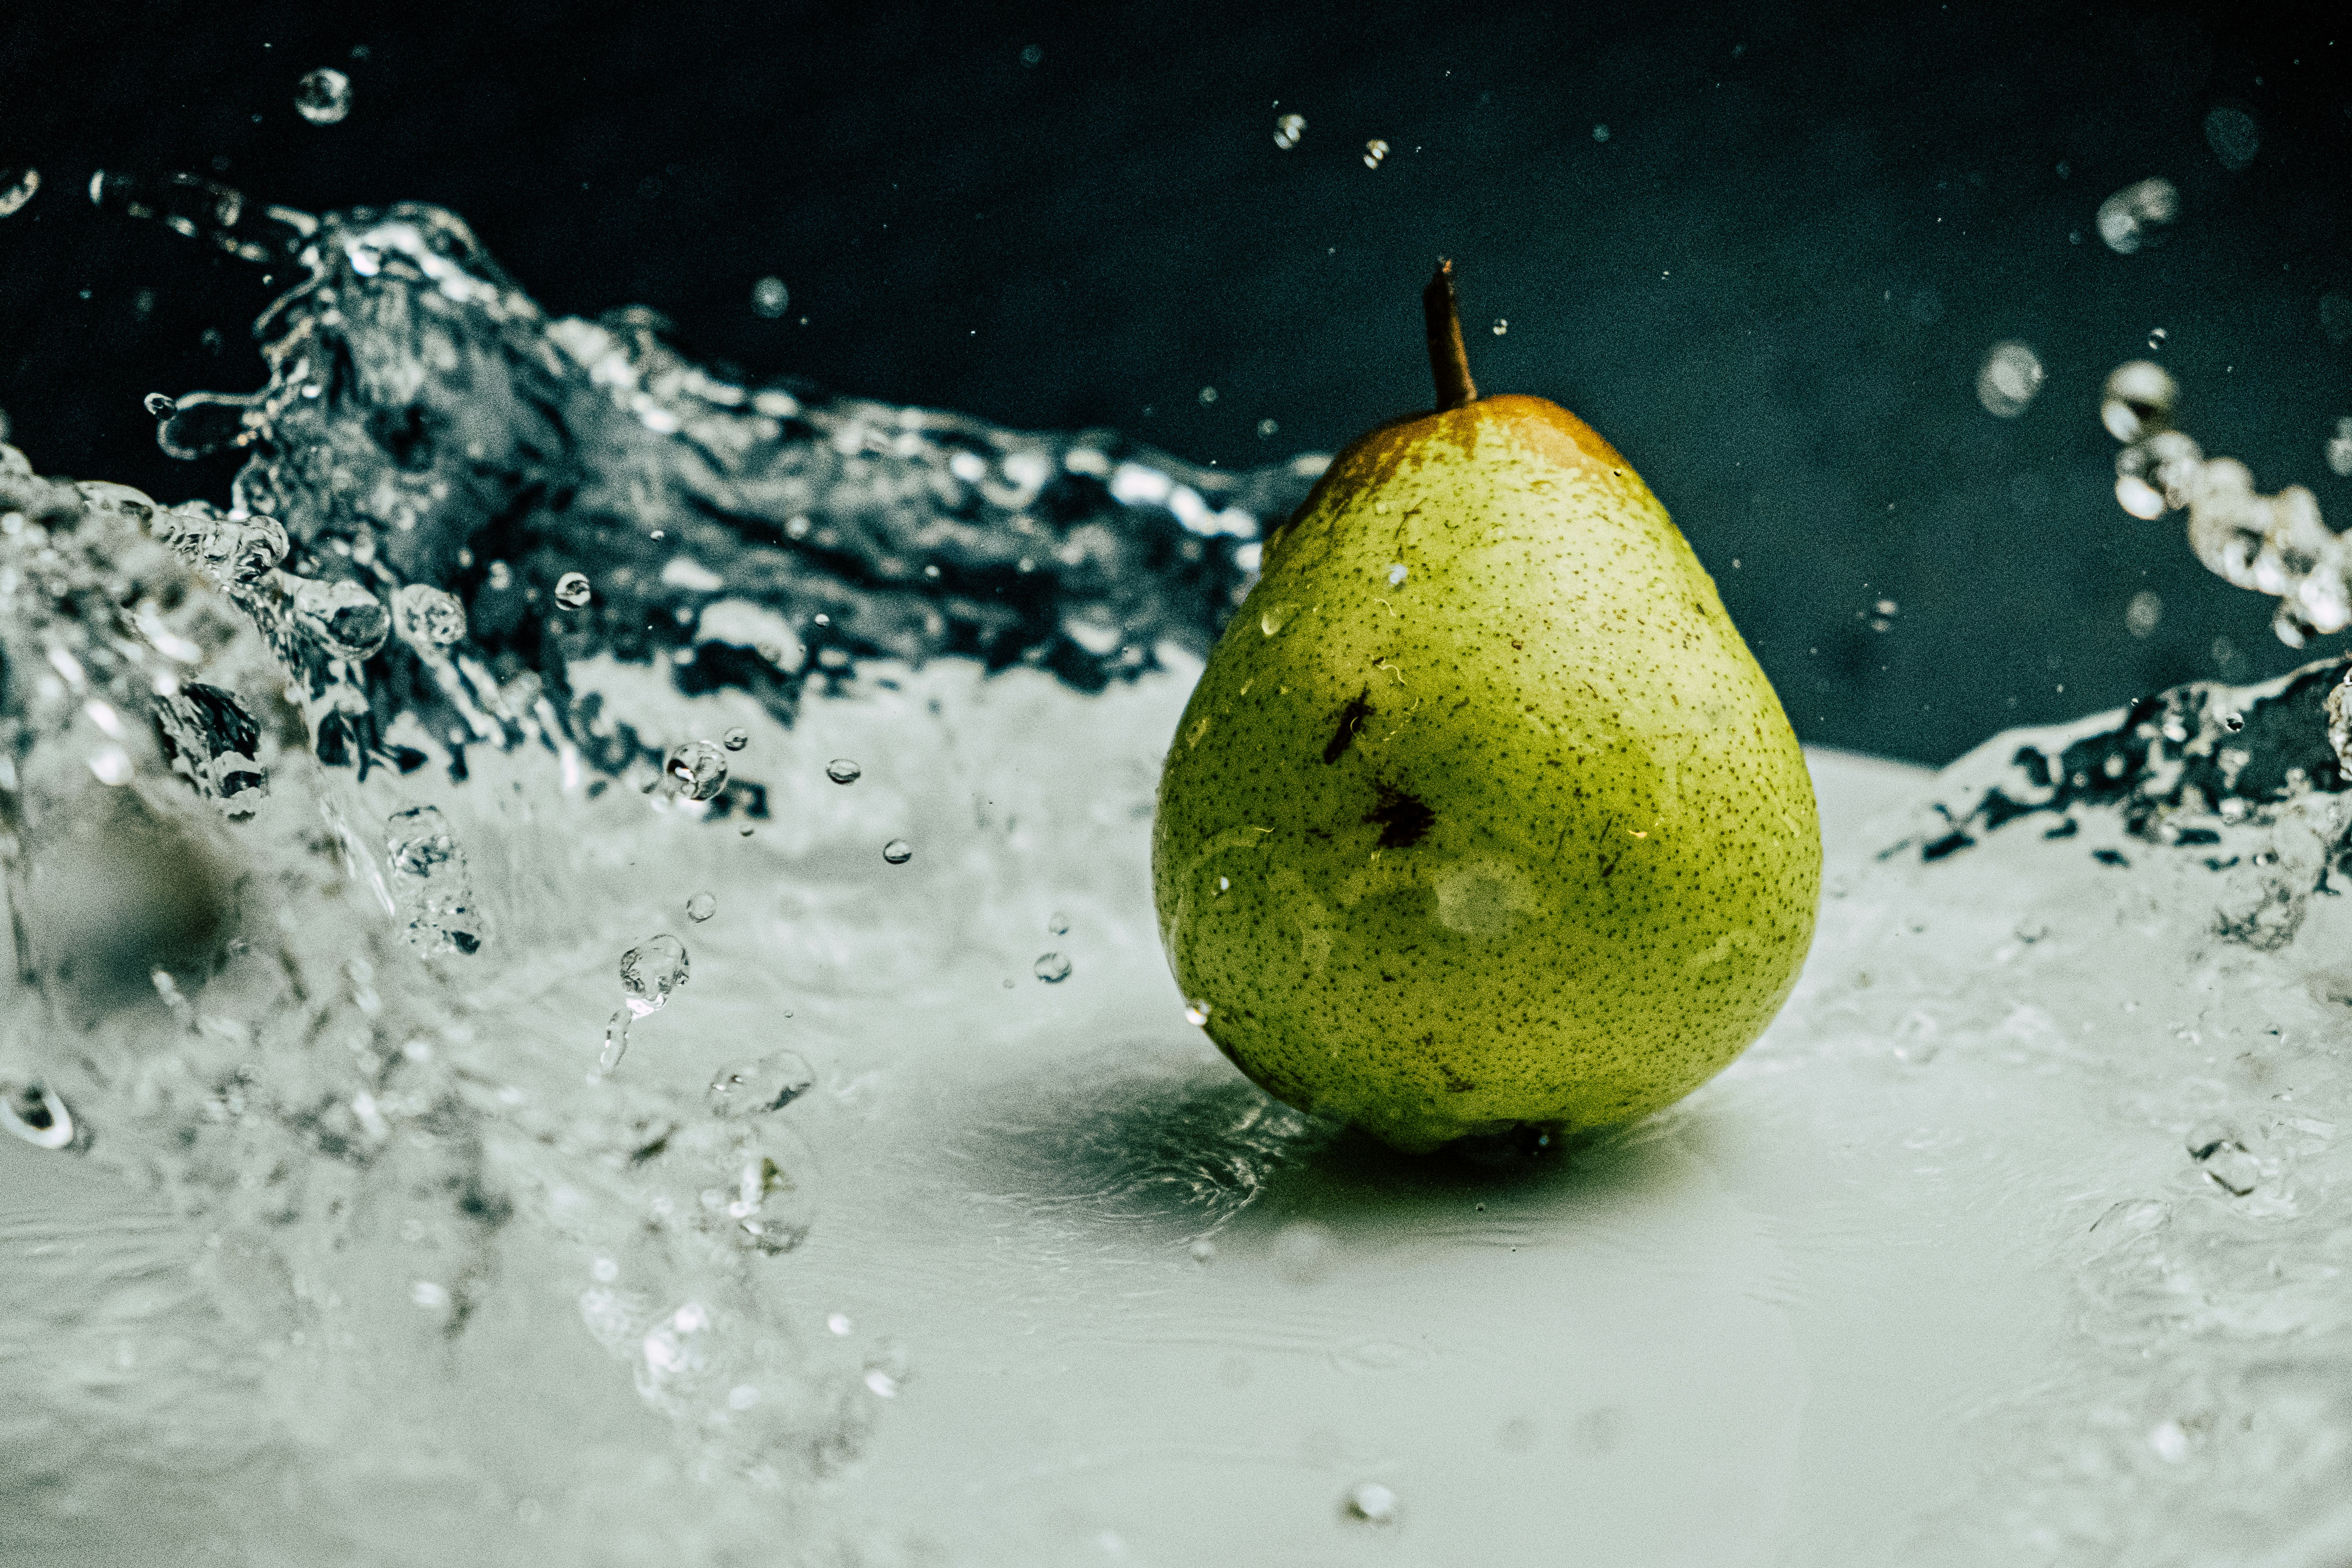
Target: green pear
1482,817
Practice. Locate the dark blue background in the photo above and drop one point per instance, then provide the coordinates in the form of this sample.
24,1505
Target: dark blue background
1771,286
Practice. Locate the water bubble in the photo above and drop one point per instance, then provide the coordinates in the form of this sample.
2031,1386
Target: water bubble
572,590
425,616
2136,215
1501,326
769,297
2232,134
697,768
842,771
1289,130
1196,1012
2009,379
773,1082
17,186
1374,150
735,740
323,96
159,405
897,851
345,618
34,1113
1051,967
651,970
1057,924
1600,134
702,906
1372,1502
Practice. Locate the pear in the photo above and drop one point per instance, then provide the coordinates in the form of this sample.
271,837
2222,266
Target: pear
1481,818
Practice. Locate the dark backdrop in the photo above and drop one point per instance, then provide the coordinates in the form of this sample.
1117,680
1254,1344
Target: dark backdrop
1770,285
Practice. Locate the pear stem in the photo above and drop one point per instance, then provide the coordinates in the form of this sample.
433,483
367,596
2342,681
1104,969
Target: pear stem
1449,361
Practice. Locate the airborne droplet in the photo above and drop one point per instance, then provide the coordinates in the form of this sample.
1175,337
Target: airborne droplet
651,970
159,405
1374,150
897,851
702,906
697,768
1196,1012
17,186
1287,130
572,590
769,296
1052,968
842,771
323,96
1373,1503
735,740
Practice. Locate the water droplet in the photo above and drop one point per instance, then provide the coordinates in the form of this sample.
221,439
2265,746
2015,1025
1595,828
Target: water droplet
2233,135
498,577
838,1323
2171,1441
2137,215
616,1039
1033,54
572,590
1501,326
1397,574
1372,1502
159,405
2141,615
1374,150
697,768
1273,618
1600,134
2137,399
1287,129
702,906
111,765
345,618
429,1295
2009,379
1203,1250
735,740
651,970
425,874
2233,723
34,1113
842,771
882,1383
425,616
773,1082
1051,967
323,96
17,186
1196,1012
1057,924
769,297
1208,395
897,851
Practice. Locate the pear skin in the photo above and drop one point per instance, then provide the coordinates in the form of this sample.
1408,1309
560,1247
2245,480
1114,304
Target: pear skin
1482,815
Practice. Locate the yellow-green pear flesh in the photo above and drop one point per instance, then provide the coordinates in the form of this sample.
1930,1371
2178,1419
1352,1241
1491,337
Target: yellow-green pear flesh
1482,815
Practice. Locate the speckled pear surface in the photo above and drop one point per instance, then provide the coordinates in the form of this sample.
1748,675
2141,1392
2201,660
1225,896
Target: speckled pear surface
1482,814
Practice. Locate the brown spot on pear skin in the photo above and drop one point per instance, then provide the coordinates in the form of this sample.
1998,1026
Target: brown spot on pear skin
1352,719
1404,819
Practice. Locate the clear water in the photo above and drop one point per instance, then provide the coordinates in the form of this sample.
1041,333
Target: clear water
917,1222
